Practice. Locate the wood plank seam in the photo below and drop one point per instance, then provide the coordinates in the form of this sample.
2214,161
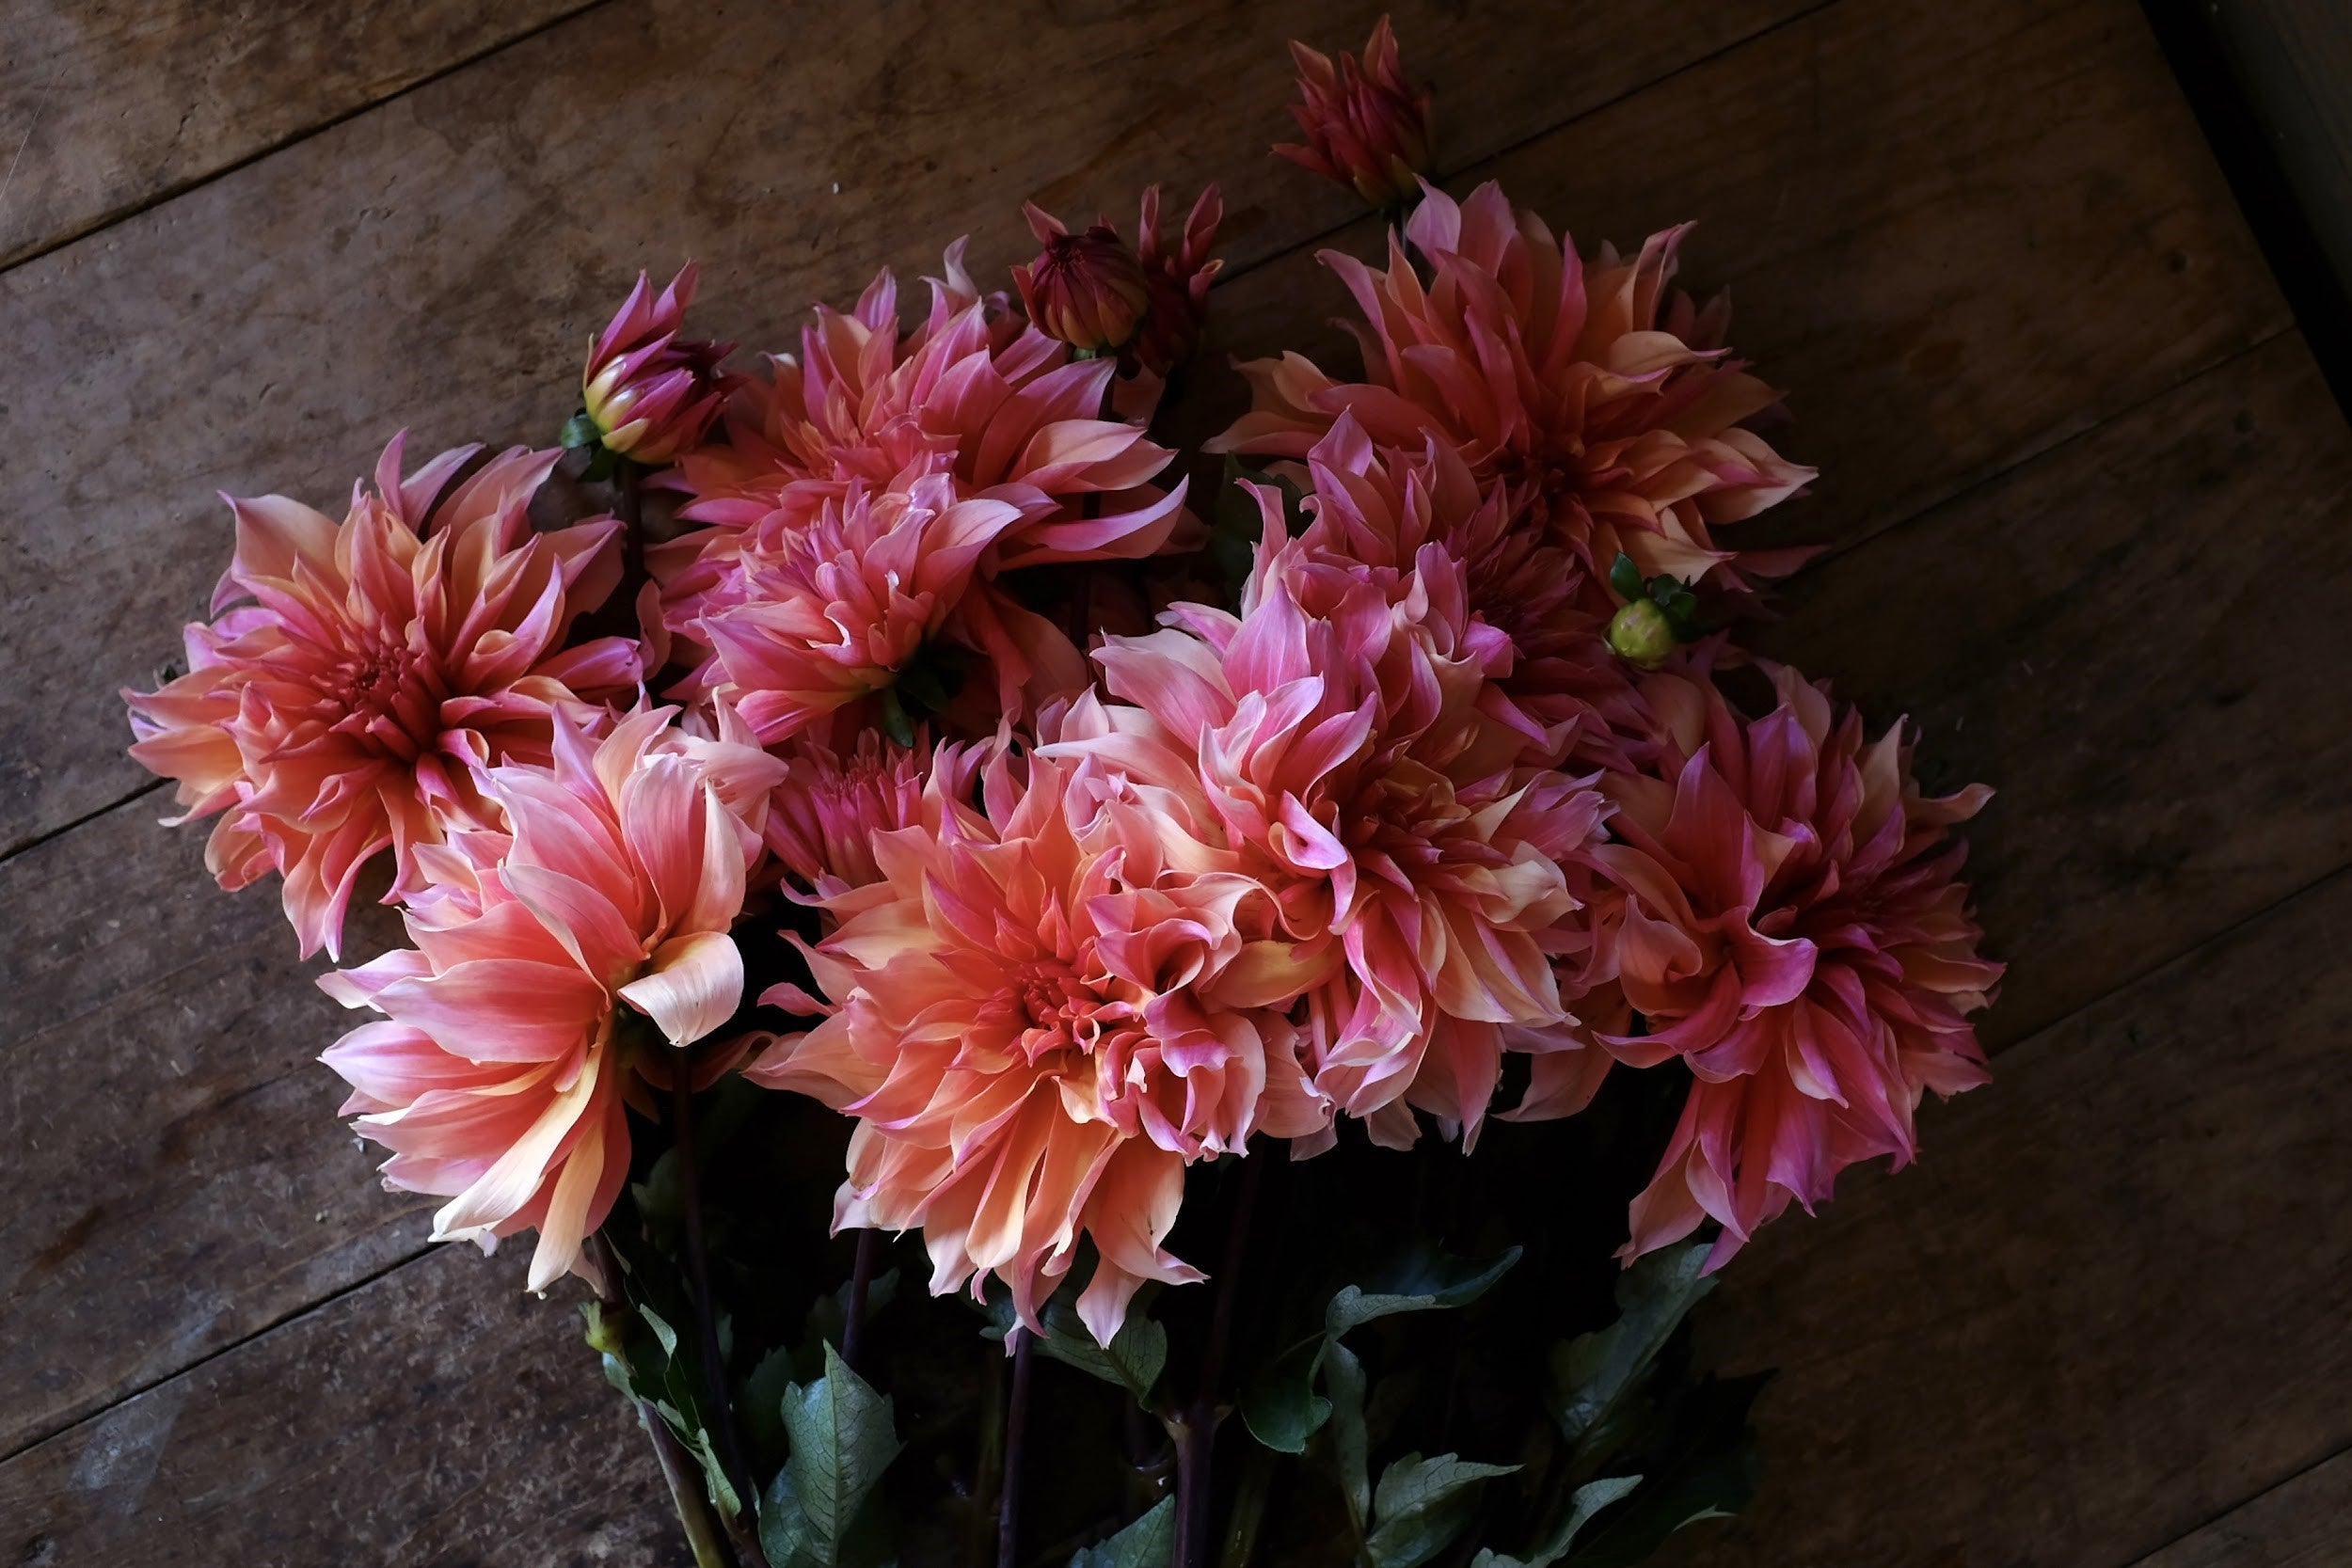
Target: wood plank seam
33,841
2243,1503
172,191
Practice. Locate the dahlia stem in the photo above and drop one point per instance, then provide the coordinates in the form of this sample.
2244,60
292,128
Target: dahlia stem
627,480
678,1469
1196,1430
722,1414
1016,1428
1195,1441
861,1287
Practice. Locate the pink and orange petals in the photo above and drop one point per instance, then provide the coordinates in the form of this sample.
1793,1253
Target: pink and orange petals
592,929
361,676
1366,126
1043,1011
1589,385
651,394
1793,928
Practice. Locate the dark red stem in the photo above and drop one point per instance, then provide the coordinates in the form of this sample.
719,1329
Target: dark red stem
1016,1426
861,1287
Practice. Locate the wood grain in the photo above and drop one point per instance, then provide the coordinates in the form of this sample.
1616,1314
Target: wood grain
2302,1523
107,106
437,1422
2106,1306
438,263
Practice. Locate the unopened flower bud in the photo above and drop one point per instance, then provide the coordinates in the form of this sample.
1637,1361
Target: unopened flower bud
1640,634
647,396
1366,126
1087,289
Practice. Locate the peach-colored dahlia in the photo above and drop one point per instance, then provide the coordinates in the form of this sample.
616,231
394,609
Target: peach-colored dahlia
359,677
1366,126
1590,383
1338,732
650,394
550,959
1794,927
1042,1012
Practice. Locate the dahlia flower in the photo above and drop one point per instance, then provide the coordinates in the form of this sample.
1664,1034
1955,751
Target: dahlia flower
552,960
827,814
649,395
1177,280
1586,384
1086,289
1338,734
1040,1014
1366,126
1792,928
359,677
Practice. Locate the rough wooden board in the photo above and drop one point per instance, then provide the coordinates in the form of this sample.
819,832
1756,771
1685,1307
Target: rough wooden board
2302,1523
1956,235
2128,638
176,1180
431,1417
439,262
106,106
2104,1307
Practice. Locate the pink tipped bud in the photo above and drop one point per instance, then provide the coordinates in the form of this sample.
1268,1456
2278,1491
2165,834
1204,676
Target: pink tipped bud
1088,290
1366,126
1178,282
649,395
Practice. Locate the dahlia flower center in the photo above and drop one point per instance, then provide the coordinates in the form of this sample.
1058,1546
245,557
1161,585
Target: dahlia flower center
390,699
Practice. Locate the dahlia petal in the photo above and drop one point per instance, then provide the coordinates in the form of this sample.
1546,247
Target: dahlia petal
693,987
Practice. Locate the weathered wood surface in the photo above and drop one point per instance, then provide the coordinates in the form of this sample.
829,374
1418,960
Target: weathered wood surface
439,262
2302,1523
107,105
1962,238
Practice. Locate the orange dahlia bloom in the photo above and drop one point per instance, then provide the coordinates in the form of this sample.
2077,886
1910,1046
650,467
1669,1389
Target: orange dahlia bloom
359,677
1041,1013
1589,385
1794,928
550,957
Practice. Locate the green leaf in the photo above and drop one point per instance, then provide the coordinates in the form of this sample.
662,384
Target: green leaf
662,1330
1278,1404
1144,1543
1707,1471
1133,1359
759,1410
1422,1505
894,723
580,431
1625,577
1594,1373
843,1438
1590,1500
1419,1281
1351,1445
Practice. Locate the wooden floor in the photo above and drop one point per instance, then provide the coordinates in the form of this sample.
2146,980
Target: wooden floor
2088,499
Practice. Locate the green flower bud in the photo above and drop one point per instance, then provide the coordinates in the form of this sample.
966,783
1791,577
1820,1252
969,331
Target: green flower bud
1640,634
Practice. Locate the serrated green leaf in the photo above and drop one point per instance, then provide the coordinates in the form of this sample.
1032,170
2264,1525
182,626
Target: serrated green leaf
1416,1283
1707,1470
1422,1504
760,1411
1595,1374
662,1330
1625,577
1144,1543
1351,1445
843,1438
1279,1405
1590,1500
1133,1361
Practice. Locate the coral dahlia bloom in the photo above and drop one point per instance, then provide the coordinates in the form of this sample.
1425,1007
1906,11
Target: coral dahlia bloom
1590,384
1366,126
1338,733
1040,1014
550,959
651,395
1794,929
359,677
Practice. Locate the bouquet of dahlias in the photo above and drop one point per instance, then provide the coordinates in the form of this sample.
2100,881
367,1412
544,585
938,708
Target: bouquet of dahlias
1066,1018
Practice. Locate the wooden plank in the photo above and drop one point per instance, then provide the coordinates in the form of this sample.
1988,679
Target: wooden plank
179,1241
2302,1523
2104,1307
106,107
1946,230
175,1179
417,1420
439,262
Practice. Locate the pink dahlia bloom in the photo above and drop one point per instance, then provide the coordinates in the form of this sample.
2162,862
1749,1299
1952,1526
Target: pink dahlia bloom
1041,1013
1794,927
359,677
1591,386
553,961
1338,734
831,809
650,394
1366,126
